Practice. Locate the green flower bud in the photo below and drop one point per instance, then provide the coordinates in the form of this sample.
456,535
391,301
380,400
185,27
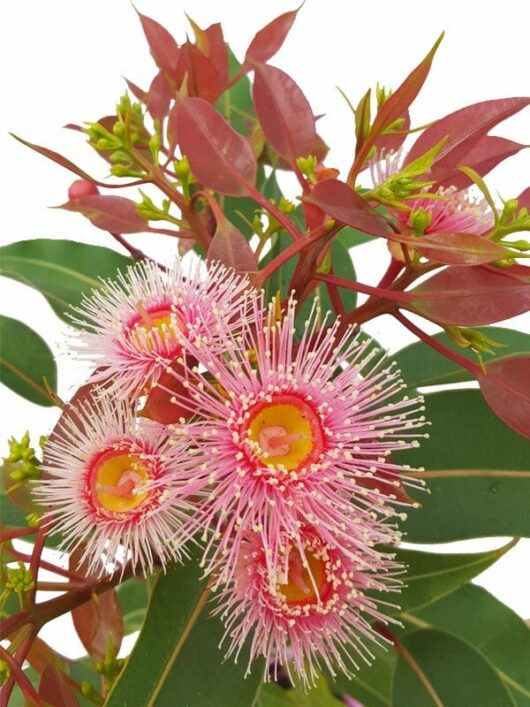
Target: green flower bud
19,579
510,207
307,166
286,206
33,520
182,168
420,220
121,170
523,246
120,157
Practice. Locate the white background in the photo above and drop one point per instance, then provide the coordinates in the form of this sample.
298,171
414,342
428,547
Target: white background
63,61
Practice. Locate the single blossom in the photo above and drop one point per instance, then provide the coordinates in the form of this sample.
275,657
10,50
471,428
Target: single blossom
133,326
456,211
289,434
315,610
108,486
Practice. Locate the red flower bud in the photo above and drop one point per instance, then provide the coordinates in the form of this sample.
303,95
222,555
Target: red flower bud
81,187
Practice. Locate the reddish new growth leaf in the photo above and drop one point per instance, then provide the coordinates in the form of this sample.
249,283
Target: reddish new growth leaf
196,75
98,622
164,49
269,39
343,203
110,213
54,688
159,97
524,199
211,43
230,247
159,405
284,114
464,129
482,158
395,107
220,158
474,296
506,388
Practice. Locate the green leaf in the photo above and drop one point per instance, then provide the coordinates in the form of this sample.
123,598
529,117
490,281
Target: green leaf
498,633
272,695
26,362
371,684
454,675
61,270
236,103
350,238
133,597
478,473
176,660
421,365
11,515
430,576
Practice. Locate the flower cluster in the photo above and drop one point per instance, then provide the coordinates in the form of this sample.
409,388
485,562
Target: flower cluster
279,462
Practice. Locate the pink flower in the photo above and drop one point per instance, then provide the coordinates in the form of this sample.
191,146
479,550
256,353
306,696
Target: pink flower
458,211
291,435
311,611
108,484
136,323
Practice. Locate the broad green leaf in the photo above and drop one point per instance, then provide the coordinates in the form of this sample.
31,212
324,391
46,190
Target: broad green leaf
61,270
17,698
453,675
133,597
371,684
421,365
477,473
430,576
498,633
26,362
177,660
272,695
350,238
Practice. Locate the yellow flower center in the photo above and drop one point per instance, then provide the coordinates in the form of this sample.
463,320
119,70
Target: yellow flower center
285,432
305,584
152,327
116,482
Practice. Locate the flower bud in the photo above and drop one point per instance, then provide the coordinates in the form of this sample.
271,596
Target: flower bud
80,188
5,672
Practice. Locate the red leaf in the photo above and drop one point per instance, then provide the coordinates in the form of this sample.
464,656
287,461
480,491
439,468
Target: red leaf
343,203
159,406
284,113
399,102
136,91
506,388
99,624
269,39
230,247
524,199
220,158
159,97
459,248
474,296
56,157
41,655
201,76
110,213
394,142
55,690
164,49
465,127
488,152
211,43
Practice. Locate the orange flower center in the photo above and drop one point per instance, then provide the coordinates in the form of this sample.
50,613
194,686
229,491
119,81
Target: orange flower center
285,432
306,583
117,482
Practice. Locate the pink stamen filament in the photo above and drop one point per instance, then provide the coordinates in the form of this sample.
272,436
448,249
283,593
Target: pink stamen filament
147,319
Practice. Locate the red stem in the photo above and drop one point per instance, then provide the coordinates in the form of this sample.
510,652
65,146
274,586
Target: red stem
44,564
393,295
465,363
16,533
35,560
393,270
15,663
284,220
135,253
